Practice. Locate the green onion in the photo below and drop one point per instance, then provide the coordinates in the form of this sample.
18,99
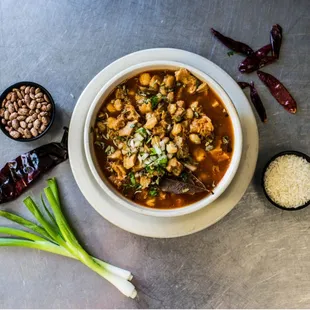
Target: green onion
55,236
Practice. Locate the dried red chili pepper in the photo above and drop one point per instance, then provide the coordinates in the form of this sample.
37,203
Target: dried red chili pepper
256,101
243,85
278,90
276,40
19,173
236,46
257,60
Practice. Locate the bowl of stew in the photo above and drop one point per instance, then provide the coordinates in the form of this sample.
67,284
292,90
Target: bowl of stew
163,139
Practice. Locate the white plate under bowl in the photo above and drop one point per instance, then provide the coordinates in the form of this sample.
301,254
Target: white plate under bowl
163,227
89,143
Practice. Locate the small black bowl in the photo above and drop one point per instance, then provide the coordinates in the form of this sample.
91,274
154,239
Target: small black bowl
306,157
45,91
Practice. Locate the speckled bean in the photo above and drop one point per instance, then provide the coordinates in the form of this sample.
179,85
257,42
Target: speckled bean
34,132
13,116
15,134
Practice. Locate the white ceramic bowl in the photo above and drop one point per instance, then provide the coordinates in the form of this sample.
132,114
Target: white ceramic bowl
89,145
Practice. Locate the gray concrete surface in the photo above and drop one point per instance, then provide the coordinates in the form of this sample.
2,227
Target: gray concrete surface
257,256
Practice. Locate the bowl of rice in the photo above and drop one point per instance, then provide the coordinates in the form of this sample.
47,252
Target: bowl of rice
286,180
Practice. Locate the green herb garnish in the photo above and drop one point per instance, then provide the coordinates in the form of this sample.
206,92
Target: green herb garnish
154,102
152,151
231,53
153,192
142,131
132,179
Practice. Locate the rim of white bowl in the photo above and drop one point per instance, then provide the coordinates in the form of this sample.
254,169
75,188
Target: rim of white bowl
110,190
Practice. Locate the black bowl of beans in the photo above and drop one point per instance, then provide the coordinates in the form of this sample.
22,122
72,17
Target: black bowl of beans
27,111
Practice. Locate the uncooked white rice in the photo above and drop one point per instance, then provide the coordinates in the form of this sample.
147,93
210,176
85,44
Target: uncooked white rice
287,181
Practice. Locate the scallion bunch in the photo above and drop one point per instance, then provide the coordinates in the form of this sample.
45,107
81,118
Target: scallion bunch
54,235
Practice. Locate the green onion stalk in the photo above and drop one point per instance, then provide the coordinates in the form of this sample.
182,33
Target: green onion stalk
53,234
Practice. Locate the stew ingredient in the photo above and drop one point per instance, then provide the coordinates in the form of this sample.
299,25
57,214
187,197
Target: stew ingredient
287,180
255,99
158,129
18,174
25,112
257,60
53,234
278,91
276,39
236,46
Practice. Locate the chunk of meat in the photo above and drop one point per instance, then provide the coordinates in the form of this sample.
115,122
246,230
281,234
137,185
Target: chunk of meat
184,76
195,138
139,99
171,148
138,167
178,115
119,169
151,121
176,130
128,129
183,150
144,181
174,166
151,202
199,154
145,108
202,126
170,96
129,161
180,103
172,108
189,114
169,81
155,140
163,90
116,181
131,113
115,123
203,87
159,131
117,155
219,155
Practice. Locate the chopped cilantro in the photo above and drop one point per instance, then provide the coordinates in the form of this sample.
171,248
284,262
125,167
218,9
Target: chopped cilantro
142,131
230,53
154,101
152,151
153,192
